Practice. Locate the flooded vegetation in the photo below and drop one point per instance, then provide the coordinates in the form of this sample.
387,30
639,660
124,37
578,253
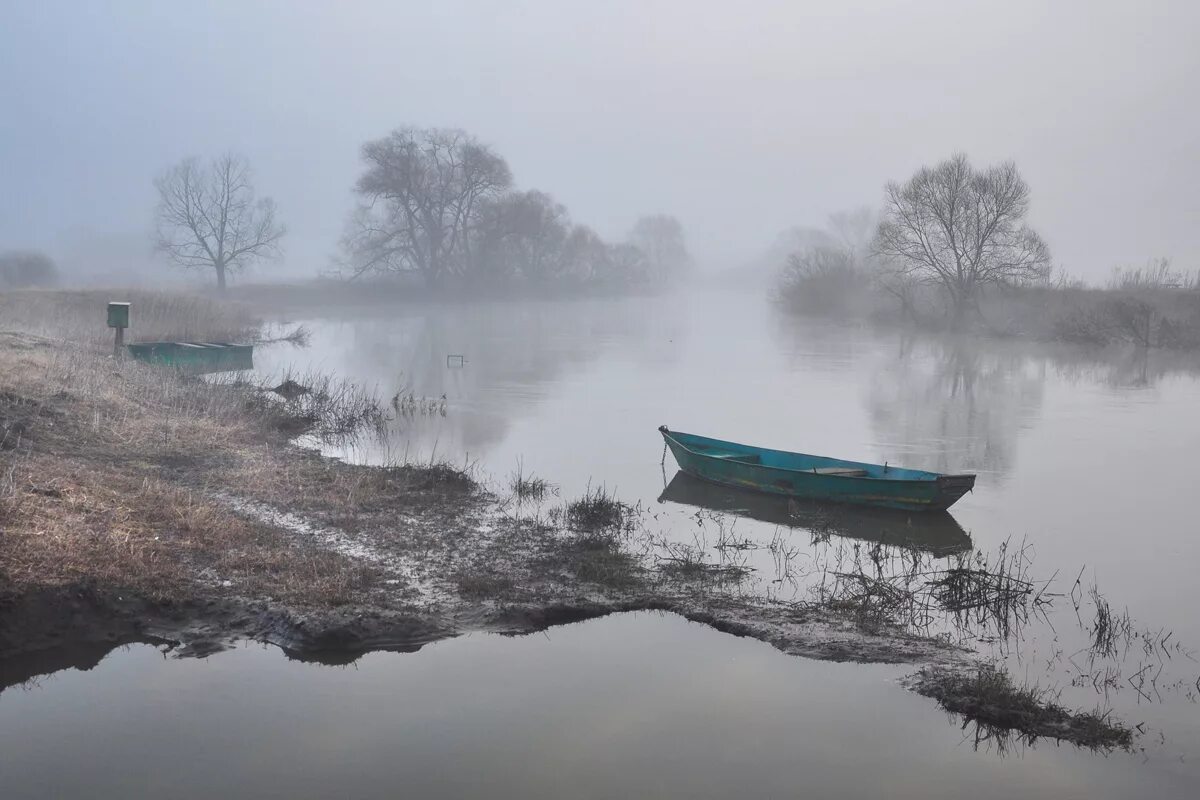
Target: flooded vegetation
1002,712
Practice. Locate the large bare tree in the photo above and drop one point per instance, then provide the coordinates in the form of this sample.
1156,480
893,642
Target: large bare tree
208,217
961,229
421,196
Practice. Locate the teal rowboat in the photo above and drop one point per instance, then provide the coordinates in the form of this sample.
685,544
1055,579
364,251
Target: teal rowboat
195,357
814,477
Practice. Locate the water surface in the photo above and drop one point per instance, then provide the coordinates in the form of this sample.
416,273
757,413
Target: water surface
629,706
1086,461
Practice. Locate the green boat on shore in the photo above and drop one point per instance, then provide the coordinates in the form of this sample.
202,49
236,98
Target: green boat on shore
195,356
814,477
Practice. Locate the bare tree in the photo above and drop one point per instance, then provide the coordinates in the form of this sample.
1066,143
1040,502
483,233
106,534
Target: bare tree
422,194
209,218
961,229
660,237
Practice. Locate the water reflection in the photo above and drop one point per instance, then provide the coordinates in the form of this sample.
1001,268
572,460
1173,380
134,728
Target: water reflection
576,390
933,532
619,707
513,355
817,345
1124,368
952,406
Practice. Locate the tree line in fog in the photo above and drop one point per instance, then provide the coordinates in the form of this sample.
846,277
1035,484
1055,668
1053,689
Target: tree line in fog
440,205
433,206
951,248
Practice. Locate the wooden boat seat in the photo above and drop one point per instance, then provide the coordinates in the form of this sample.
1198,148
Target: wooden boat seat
845,472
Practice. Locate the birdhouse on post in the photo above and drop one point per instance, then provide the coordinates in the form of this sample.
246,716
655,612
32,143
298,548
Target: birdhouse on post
118,318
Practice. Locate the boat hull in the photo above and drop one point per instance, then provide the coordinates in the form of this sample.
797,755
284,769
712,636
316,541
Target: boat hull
789,474
195,357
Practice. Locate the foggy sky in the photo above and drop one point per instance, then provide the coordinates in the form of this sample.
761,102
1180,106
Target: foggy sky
741,118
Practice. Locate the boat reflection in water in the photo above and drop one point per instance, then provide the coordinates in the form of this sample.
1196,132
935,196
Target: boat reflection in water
928,531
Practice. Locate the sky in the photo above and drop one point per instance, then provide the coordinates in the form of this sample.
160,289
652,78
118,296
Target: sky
740,118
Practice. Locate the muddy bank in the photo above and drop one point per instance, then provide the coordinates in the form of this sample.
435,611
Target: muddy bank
46,631
141,505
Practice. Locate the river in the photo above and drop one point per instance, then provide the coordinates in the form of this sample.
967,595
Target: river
1086,468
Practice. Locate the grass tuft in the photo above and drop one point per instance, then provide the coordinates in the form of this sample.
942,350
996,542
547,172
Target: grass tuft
597,508
987,696
528,487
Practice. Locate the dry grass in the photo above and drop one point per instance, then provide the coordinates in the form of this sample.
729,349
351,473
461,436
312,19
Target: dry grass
128,403
68,524
109,472
79,316
123,405
346,496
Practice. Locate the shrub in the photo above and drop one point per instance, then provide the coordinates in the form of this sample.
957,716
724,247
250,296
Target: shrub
823,280
26,269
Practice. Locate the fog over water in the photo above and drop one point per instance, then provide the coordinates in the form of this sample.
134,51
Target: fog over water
742,120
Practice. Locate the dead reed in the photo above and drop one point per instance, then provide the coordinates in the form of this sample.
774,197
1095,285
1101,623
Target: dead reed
975,593
410,405
528,487
1108,630
991,589
684,562
332,410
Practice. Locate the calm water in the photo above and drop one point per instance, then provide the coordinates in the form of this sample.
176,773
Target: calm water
1089,463
630,706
